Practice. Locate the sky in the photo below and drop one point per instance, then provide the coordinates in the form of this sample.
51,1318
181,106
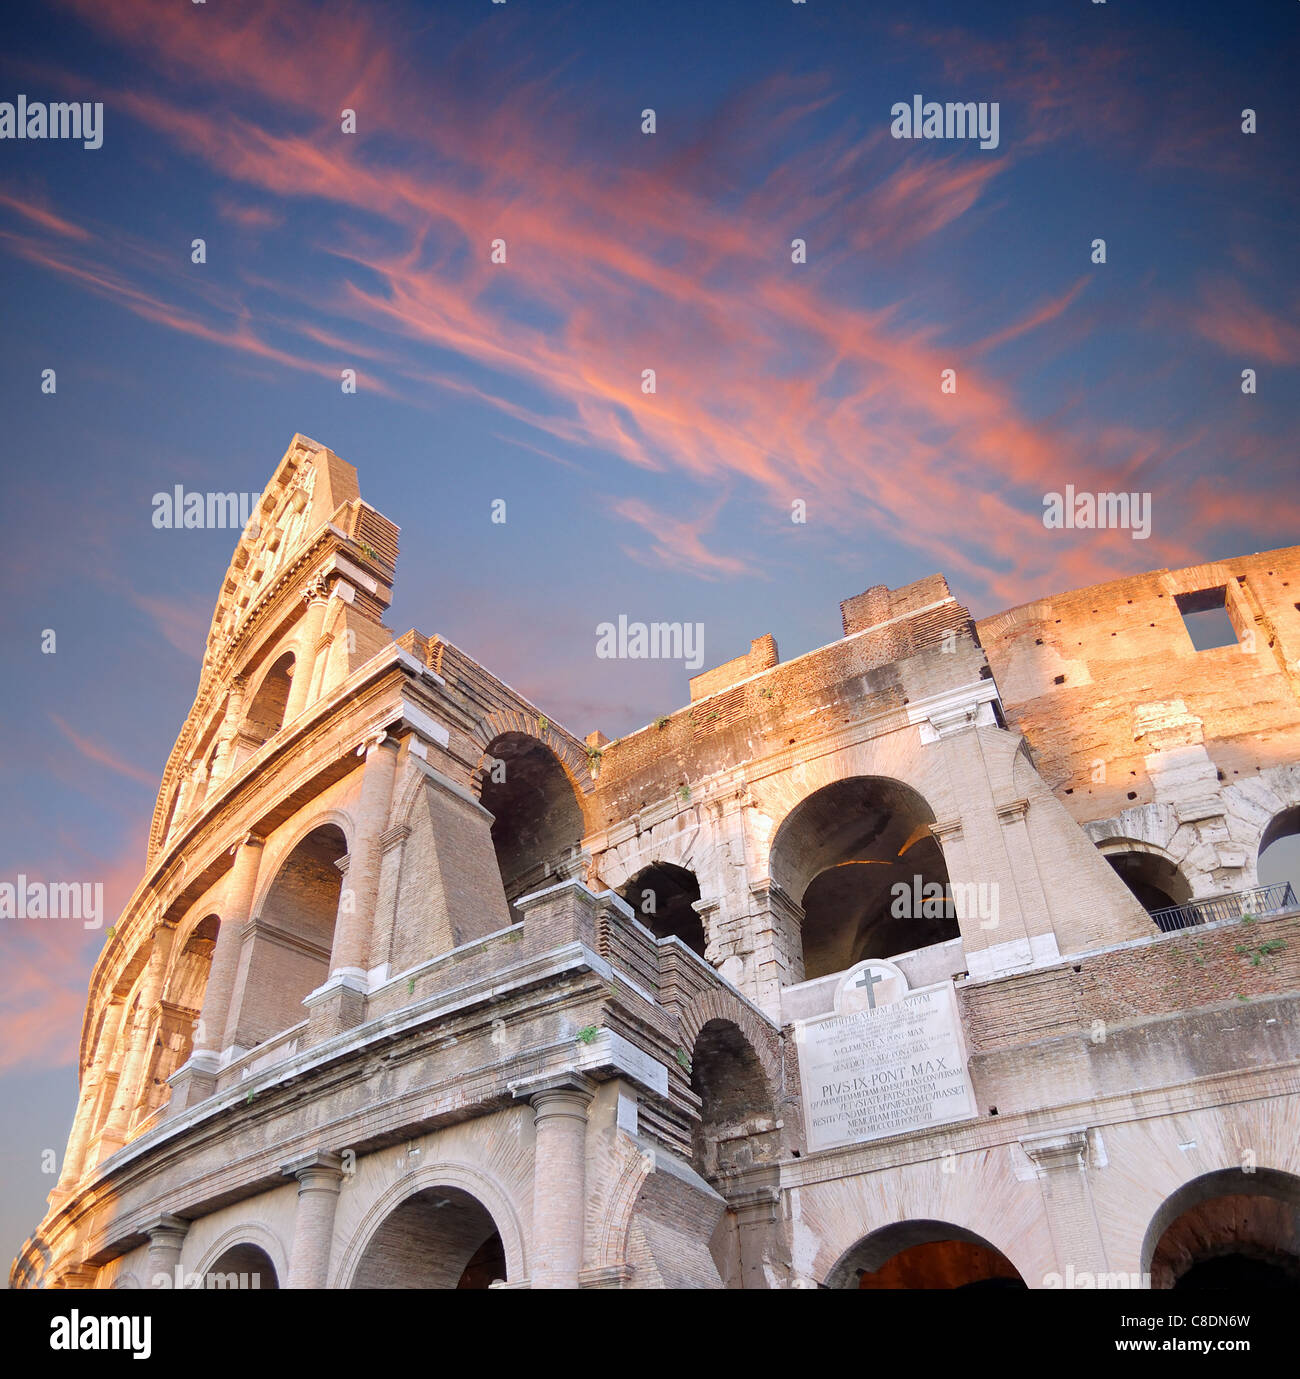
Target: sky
783,389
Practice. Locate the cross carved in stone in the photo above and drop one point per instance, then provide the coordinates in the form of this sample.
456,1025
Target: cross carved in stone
869,980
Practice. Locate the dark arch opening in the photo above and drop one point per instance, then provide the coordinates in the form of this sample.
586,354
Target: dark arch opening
663,897
859,857
1155,881
265,715
242,1266
737,1127
925,1254
537,823
1229,1229
1279,850
290,938
179,1011
1239,1269
441,1237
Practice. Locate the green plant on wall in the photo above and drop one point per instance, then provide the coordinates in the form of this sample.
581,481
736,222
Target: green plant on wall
588,1034
1265,950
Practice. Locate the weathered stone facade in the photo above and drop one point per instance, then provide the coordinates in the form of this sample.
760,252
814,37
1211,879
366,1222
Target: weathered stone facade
421,990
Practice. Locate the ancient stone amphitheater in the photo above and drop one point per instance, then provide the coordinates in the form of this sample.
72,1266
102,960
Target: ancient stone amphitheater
936,957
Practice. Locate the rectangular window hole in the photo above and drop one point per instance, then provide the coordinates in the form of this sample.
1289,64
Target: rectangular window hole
1205,616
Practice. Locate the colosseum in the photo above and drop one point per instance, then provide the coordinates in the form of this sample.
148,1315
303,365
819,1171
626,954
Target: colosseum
936,957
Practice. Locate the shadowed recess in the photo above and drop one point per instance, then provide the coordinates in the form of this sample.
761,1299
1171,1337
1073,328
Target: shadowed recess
858,856
537,822
437,1238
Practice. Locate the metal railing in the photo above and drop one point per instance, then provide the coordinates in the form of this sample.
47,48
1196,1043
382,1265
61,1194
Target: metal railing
1263,900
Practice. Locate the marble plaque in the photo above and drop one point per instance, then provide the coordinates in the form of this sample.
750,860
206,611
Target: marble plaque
888,1060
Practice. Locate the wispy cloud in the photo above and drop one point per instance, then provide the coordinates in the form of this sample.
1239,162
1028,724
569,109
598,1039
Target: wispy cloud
94,751
770,376
676,543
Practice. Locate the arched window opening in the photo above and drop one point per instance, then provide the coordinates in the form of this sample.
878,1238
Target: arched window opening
860,858
1155,881
537,823
441,1237
925,1254
288,942
1228,1230
663,898
179,1013
1279,851
265,714
737,1127
242,1266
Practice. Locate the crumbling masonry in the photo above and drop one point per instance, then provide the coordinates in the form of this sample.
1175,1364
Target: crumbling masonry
420,990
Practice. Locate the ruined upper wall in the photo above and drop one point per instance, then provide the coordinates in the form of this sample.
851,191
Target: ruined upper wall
1102,678
762,655
901,646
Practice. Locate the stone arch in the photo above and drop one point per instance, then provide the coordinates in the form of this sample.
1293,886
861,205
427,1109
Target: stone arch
843,853
570,754
253,1235
663,897
190,960
266,702
281,846
1151,874
288,942
738,1125
472,1182
615,1221
180,1005
1284,824
761,1035
203,725
923,1254
129,988
1229,1219
537,814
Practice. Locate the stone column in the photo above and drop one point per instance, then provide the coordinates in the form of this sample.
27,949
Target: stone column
559,1176
975,842
127,1092
92,1084
166,1239
227,734
361,882
210,1038
778,944
320,1176
316,597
